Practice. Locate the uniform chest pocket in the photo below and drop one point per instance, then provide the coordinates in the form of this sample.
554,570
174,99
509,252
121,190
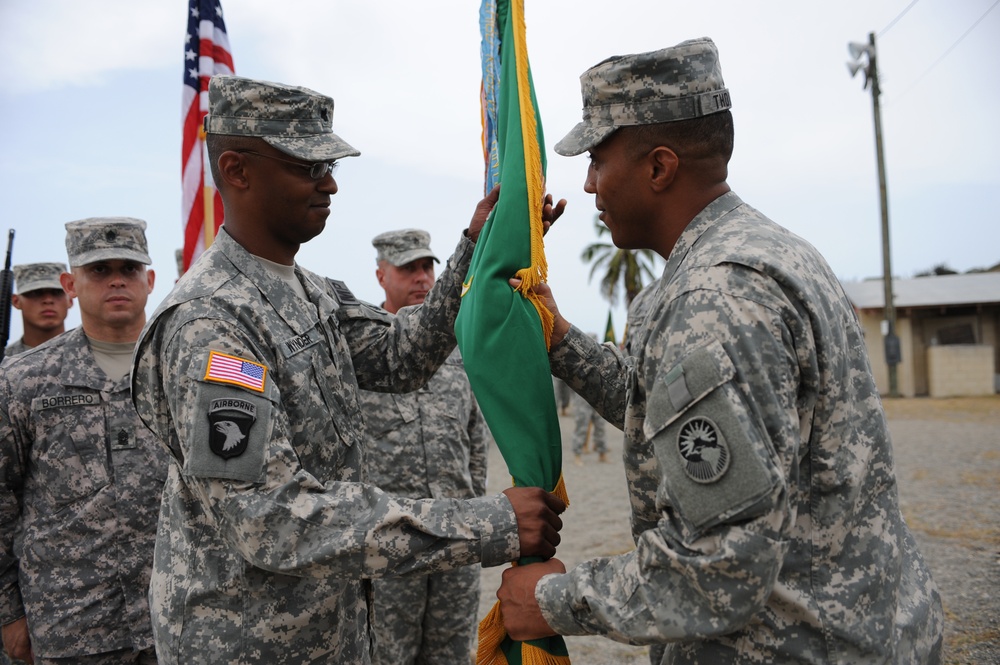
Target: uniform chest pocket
320,420
387,412
70,452
712,452
446,397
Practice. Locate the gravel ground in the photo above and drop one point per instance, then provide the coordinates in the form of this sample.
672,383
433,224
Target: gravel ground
948,459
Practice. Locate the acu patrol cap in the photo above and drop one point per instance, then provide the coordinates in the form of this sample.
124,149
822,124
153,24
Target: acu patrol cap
296,121
106,238
676,83
401,247
36,276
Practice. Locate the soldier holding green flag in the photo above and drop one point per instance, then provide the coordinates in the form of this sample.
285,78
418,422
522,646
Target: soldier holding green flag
249,374
764,503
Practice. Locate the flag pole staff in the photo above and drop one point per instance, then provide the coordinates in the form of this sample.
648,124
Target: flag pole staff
207,190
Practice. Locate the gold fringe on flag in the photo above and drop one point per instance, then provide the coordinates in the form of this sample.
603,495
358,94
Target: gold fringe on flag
538,271
492,631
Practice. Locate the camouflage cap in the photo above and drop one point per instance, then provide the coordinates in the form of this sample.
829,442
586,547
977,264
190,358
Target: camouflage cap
401,247
676,83
35,276
106,238
296,121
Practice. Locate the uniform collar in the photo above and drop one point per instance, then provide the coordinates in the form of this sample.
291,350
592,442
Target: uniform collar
704,220
298,315
79,368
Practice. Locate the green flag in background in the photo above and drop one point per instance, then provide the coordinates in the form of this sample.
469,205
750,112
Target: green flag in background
609,330
503,335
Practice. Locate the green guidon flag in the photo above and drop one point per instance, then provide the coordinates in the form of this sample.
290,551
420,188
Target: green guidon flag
503,333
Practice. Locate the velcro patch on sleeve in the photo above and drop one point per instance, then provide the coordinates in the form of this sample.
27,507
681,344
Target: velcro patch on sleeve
712,451
236,371
230,434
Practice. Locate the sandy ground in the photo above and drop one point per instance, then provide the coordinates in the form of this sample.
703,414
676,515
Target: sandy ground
948,460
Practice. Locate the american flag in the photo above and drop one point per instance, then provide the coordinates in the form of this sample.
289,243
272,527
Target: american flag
224,368
206,52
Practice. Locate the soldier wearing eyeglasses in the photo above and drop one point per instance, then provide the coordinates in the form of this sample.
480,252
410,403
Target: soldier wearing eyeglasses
80,476
249,375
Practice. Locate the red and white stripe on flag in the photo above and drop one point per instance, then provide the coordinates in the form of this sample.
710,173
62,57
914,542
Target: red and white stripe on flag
224,368
206,53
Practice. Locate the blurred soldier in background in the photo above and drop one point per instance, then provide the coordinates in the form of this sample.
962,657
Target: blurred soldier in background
80,477
43,304
430,443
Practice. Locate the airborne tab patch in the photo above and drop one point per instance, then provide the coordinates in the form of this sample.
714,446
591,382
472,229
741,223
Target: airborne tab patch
224,368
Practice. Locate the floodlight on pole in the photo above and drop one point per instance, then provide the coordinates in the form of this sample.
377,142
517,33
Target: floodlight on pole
892,350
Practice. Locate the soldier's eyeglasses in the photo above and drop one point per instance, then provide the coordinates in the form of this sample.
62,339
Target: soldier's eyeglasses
317,170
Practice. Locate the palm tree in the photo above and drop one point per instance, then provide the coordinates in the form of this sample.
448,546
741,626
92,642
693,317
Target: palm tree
625,268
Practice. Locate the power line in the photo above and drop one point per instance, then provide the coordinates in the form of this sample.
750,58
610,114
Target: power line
893,21
945,54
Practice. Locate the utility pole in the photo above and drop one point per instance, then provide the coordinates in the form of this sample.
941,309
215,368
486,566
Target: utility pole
892,350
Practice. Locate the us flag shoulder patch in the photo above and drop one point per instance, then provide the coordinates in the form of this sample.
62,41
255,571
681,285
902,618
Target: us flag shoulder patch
224,368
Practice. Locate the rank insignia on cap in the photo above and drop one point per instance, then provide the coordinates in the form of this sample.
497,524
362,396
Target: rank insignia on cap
223,368
705,451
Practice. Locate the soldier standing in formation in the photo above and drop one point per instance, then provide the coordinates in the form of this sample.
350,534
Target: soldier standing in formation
43,304
429,443
249,374
587,426
764,501
80,476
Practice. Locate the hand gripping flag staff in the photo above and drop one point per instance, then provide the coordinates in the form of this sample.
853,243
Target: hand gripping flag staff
504,333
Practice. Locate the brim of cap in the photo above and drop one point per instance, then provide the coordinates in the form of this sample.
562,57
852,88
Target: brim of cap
109,255
582,138
313,148
413,255
38,285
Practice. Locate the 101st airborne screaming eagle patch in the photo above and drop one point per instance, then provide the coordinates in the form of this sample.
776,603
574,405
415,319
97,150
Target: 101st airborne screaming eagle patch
229,421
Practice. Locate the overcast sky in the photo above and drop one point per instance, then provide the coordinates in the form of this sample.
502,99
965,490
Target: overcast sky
90,97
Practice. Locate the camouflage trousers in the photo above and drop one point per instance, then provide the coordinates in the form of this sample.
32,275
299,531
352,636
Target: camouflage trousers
587,423
427,618
123,657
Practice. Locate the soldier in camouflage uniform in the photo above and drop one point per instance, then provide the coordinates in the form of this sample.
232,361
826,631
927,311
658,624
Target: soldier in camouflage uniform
429,443
587,425
764,501
78,471
43,304
249,374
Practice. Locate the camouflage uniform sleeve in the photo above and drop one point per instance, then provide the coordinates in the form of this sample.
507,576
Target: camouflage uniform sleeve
405,354
479,448
282,518
711,562
12,467
599,373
